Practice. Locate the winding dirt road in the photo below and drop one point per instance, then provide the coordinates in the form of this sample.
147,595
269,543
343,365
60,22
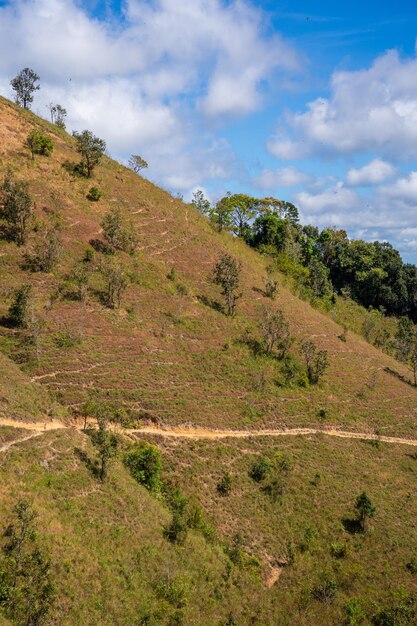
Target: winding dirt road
197,433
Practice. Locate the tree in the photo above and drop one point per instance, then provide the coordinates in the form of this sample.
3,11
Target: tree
48,248
275,332
319,278
226,274
365,509
116,281
19,310
106,444
26,582
136,163
91,149
316,361
221,214
119,233
80,275
24,84
58,114
15,207
39,144
201,203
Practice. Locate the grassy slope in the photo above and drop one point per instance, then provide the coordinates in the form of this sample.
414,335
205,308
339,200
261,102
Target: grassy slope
165,353
168,355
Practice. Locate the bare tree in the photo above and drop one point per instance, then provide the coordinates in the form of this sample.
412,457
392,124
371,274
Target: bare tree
316,361
275,332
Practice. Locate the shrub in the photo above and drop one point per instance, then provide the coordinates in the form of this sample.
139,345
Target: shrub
316,361
15,208
145,465
173,591
412,566
338,550
39,144
176,530
260,469
355,614
326,589
94,194
19,309
48,248
275,332
224,486
119,233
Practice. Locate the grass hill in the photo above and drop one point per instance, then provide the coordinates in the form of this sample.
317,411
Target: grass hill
279,552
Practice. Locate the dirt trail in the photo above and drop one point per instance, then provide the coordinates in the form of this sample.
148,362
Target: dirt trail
197,433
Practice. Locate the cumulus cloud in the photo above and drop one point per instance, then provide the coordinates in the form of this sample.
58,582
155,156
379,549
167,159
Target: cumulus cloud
147,81
369,110
284,177
374,173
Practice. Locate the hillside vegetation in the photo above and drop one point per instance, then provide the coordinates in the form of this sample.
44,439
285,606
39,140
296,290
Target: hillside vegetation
212,541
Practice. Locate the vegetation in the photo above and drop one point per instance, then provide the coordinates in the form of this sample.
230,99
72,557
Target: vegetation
15,208
254,530
137,164
316,361
39,144
58,115
91,149
24,85
26,588
226,275
119,233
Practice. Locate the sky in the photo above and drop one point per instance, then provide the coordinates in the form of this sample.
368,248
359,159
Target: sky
315,103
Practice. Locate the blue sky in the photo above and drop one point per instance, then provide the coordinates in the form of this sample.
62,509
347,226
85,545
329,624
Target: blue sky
272,98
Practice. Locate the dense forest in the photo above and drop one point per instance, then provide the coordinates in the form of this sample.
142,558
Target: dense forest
327,261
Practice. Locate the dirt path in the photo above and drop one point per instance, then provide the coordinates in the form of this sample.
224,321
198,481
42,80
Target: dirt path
197,433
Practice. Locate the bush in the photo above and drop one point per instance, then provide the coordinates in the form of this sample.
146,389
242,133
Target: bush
145,465
224,486
176,531
260,469
338,550
94,194
119,233
326,589
19,309
39,144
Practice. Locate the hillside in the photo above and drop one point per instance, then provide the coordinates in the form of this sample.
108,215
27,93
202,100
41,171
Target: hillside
168,357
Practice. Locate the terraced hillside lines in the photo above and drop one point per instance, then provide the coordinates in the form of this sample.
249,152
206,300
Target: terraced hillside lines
166,352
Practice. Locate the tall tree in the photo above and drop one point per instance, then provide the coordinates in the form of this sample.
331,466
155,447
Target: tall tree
200,202
91,149
25,84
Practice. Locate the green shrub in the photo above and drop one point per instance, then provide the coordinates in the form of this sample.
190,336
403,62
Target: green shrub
224,486
260,469
173,591
176,530
355,614
145,465
39,144
19,309
338,550
94,194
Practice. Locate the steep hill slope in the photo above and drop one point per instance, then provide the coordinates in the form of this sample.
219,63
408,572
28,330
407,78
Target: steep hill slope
284,549
165,353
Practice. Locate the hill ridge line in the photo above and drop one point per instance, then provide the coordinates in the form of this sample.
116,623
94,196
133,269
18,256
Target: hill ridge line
196,433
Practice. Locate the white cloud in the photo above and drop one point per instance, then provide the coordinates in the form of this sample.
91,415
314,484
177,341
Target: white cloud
374,173
370,110
403,191
284,177
147,83
335,199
